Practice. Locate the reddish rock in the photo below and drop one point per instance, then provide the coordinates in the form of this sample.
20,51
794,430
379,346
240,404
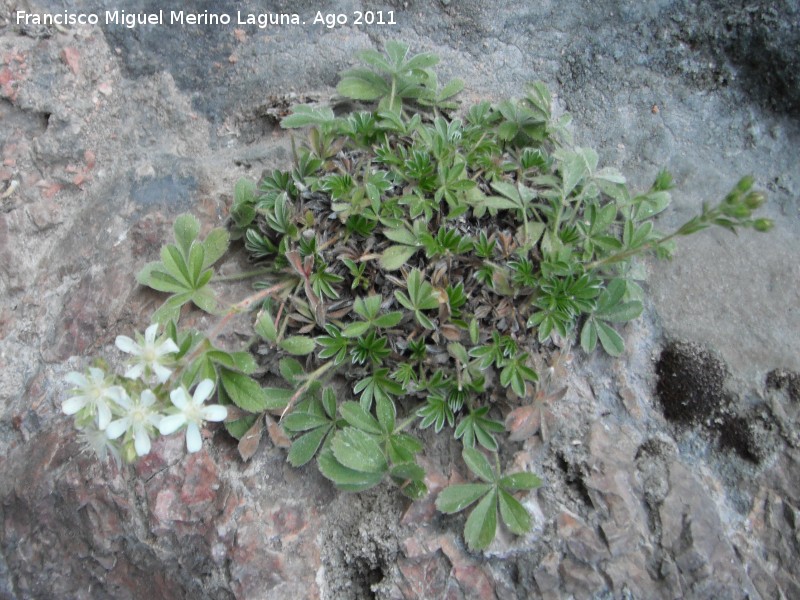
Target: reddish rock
72,57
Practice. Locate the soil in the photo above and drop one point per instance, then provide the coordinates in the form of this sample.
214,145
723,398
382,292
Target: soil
672,472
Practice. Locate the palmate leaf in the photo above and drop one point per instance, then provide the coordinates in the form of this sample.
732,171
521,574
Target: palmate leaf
611,306
494,494
315,419
184,269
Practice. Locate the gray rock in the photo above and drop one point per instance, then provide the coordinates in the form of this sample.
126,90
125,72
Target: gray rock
112,132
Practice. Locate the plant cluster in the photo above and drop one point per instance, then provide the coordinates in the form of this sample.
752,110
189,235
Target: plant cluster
416,259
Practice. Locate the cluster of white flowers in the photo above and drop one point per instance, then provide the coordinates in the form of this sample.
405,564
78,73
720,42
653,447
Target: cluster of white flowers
116,415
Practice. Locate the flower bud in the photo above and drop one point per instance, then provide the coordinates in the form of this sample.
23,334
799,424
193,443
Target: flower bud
745,183
763,224
741,211
129,453
754,199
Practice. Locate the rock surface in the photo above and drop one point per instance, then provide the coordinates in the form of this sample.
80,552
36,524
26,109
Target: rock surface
111,132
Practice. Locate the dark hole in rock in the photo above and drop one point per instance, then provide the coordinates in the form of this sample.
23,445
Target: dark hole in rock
737,434
574,479
690,381
781,379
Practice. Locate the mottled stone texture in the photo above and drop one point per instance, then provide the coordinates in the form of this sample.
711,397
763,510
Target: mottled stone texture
672,473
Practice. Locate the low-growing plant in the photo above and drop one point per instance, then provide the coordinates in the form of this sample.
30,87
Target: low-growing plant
411,266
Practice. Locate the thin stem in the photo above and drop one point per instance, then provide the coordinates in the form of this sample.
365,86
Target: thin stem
234,310
408,421
244,274
311,378
625,254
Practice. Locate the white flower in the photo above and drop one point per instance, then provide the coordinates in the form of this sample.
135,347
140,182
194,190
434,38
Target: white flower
139,418
100,444
192,413
93,393
150,354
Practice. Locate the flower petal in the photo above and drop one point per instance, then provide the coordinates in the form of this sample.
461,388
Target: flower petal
171,423
97,375
103,415
179,398
135,371
120,396
141,441
147,398
167,347
162,372
77,379
194,440
150,333
117,428
126,344
72,405
203,391
215,412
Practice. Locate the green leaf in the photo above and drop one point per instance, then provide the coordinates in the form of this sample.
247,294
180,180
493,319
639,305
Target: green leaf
304,115
243,391
375,59
215,246
276,398
239,427
171,309
362,84
450,89
519,481
610,339
408,470
265,327
589,336
358,450
175,265
395,257
291,370
388,320
482,523
346,479
424,60
652,204
244,192
305,447
514,514
479,464
297,422
239,361
356,329
196,259
624,311
298,345
186,229
355,415
575,166
401,235
387,413
153,275
455,498
204,300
